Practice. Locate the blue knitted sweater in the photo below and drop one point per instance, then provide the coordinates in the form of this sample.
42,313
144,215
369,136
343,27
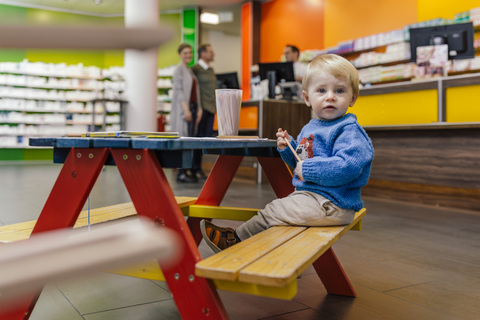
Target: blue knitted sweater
337,156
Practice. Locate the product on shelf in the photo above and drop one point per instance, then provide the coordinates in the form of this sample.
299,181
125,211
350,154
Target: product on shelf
56,99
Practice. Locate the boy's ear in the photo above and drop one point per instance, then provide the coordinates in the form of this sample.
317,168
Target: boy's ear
306,98
354,99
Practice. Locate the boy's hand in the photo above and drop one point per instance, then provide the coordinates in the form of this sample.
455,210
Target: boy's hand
298,170
281,136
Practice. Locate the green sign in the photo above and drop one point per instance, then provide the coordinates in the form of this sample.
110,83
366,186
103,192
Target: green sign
190,30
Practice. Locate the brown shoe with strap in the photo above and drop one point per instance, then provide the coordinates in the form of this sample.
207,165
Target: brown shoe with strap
217,238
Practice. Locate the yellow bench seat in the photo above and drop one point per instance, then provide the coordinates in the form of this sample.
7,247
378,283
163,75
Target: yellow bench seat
270,262
22,230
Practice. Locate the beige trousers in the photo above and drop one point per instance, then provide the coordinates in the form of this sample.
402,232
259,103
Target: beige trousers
300,208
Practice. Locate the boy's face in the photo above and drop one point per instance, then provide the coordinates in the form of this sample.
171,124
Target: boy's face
328,96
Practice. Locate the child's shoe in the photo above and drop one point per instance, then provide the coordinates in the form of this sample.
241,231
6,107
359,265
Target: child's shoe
217,238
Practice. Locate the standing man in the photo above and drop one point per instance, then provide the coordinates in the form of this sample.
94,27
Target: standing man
207,81
292,54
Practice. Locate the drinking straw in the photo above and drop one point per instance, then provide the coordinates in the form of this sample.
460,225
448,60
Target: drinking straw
293,150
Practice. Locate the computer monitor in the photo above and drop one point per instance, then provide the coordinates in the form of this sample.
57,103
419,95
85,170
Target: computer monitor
283,71
458,37
227,80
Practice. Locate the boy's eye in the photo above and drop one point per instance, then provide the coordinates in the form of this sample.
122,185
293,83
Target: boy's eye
340,90
322,90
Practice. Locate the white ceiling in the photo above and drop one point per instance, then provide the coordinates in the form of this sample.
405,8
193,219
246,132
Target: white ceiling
113,7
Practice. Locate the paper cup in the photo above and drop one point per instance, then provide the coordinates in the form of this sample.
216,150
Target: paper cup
229,102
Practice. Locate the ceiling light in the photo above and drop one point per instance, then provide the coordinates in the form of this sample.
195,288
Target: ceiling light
210,18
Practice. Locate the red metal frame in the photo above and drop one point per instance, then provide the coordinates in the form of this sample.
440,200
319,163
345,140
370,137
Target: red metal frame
215,188
278,175
332,275
68,195
196,298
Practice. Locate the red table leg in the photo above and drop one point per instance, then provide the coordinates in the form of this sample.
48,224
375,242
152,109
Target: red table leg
196,298
71,190
215,188
278,175
332,275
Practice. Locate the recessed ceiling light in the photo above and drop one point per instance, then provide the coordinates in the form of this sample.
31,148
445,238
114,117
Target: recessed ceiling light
210,18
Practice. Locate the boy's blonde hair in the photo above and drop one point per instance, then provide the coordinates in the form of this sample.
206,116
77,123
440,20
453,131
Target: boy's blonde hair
337,66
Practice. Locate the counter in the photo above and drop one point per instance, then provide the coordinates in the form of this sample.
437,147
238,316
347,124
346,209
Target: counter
447,99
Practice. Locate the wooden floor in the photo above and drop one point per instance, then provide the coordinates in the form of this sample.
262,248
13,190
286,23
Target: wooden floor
408,262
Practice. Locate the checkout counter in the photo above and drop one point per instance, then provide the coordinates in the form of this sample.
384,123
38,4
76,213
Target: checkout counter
426,137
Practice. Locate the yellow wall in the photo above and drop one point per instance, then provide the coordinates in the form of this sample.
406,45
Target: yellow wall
432,9
397,108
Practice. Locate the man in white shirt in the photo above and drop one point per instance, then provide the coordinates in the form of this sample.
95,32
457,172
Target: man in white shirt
292,53
207,82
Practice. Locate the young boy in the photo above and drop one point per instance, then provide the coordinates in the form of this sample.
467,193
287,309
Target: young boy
336,156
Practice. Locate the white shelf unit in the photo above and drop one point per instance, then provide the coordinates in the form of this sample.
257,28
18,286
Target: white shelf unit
165,86
39,99
66,37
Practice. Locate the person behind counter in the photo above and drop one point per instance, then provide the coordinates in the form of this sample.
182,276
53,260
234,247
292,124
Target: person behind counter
292,54
335,159
186,111
207,81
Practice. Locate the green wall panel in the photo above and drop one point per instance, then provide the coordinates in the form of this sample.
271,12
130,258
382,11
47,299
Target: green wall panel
167,52
87,57
12,15
18,154
12,55
10,154
113,58
190,30
38,154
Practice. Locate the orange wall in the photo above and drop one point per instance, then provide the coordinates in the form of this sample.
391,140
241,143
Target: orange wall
296,22
351,19
319,24
246,37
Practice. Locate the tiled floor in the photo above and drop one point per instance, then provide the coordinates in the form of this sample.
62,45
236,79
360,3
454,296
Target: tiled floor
408,262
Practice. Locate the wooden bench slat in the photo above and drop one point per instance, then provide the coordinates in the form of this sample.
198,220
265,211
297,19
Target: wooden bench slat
22,230
282,265
227,264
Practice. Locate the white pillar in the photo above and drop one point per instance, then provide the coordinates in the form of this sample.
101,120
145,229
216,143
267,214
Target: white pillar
141,69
